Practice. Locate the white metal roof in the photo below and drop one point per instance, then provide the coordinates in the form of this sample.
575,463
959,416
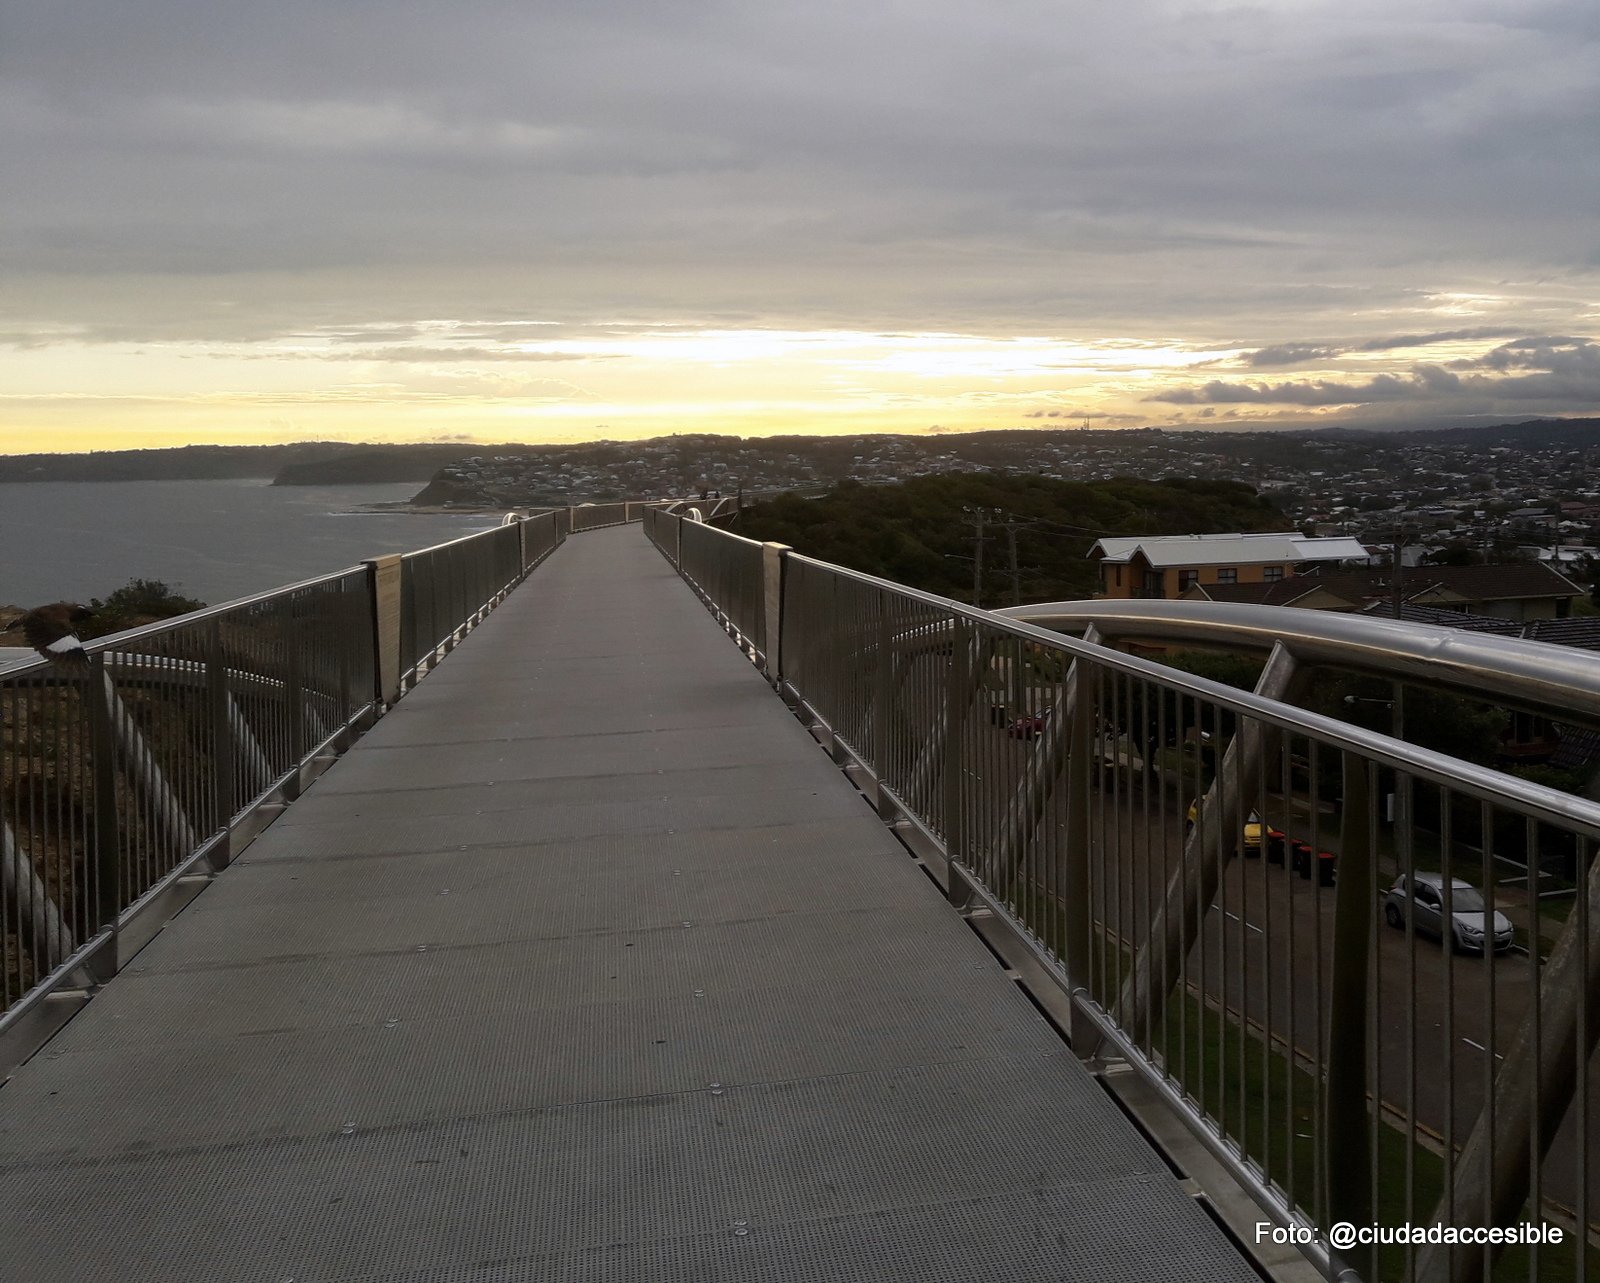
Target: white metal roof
1249,548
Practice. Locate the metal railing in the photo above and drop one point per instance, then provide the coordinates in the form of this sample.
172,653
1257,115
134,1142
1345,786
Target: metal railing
725,568
591,516
127,781
1274,918
447,589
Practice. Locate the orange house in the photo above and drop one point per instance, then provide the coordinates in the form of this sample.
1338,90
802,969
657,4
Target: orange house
1167,566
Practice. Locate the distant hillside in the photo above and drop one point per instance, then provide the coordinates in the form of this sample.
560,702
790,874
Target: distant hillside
372,465
918,533
185,463
1536,434
303,463
685,462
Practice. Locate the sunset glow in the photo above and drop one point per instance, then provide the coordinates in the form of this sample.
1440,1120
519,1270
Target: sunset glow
494,224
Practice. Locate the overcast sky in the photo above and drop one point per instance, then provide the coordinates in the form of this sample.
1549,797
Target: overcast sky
541,221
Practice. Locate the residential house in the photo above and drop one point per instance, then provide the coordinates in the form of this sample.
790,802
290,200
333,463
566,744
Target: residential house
1521,591
1168,566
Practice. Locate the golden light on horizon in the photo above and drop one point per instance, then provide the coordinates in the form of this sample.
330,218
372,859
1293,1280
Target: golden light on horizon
536,381
638,382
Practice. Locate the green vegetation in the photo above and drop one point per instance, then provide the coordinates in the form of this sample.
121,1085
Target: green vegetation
915,532
1266,1098
376,464
139,601
1241,671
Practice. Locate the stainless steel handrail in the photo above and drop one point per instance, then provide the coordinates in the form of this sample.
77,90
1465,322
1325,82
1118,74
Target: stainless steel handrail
1125,844
1542,801
1556,679
129,778
122,640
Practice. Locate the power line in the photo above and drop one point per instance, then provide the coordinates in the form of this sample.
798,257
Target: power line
1013,524
977,518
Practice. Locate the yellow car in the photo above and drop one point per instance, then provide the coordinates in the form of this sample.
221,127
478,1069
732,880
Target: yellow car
1253,829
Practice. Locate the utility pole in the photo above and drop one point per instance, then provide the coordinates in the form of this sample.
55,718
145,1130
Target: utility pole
976,518
1397,570
1396,574
1012,525
1016,575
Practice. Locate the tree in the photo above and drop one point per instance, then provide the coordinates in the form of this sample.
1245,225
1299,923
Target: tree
139,601
914,532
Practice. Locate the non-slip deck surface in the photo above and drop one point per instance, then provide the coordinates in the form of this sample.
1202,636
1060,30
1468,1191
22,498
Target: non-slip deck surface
585,963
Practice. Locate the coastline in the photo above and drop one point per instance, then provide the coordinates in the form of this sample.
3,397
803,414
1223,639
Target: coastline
405,506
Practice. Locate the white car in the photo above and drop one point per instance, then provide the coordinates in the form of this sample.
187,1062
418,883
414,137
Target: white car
1468,913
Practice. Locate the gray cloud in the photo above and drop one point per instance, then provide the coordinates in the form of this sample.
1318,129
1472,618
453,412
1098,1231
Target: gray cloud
437,355
1559,354
1314,392
1393,342
1290,354
1298,353
1075,416
1561,370
1187,169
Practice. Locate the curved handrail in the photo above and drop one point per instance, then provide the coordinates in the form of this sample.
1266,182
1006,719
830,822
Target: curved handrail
1053,836
1556,679
1479,781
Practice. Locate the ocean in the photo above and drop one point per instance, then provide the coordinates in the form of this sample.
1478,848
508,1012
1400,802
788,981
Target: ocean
215,540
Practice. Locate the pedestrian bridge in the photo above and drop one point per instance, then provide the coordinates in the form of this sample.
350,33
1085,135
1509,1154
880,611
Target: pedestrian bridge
539,938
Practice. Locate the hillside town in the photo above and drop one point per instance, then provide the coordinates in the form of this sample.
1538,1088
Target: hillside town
1529,492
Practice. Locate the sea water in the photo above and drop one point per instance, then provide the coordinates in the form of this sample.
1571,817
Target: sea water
214,540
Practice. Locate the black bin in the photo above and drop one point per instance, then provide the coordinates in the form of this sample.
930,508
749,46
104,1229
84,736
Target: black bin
1301,858
1326,863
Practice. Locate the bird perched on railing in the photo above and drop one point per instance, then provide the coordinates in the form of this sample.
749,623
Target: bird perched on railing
52,631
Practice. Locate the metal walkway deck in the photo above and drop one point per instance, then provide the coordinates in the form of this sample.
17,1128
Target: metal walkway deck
584,964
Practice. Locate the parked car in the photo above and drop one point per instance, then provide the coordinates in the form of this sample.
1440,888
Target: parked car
1254,832
1029,724
1470,923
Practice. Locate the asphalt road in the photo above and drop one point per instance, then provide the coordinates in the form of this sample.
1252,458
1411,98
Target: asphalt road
1444,1021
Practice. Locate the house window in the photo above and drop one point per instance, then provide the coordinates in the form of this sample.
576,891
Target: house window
1154,583
1272,574
1228,575
1119,576
1187,579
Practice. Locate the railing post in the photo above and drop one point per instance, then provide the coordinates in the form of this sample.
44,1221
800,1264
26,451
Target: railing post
1044,768
218,701
882,696
143,769
958,696
1193,885
42,924
773,556
1078,918
1349,1158
97,689
1533,1091
294,704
